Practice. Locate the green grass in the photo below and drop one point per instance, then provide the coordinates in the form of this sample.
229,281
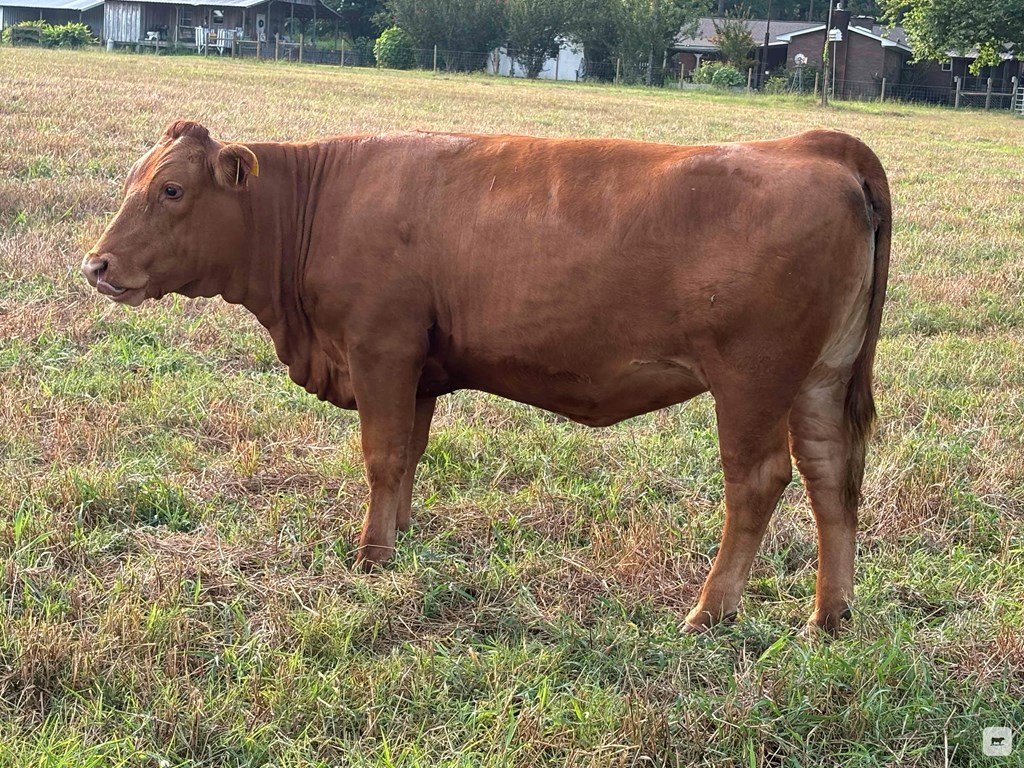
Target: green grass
178,519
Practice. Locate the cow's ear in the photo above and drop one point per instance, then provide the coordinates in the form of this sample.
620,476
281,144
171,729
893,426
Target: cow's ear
235,164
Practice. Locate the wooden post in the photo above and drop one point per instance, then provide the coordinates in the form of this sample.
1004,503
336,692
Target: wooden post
1013,92
956,104
257,46
618,65
816,75
750,79
301,43
682,73
435,58
988,94
882,99
558,58
343,52
277,46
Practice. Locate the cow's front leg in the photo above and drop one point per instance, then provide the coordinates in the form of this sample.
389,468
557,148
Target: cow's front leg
385,391
417,444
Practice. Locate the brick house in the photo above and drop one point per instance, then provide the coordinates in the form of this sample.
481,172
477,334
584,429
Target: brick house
865,55
692,48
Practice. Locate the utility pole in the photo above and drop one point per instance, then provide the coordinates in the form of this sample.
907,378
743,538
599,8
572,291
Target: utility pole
656,27
826,59
764,56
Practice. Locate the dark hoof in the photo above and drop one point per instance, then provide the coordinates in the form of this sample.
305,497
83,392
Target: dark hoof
828,623
371,557
701,622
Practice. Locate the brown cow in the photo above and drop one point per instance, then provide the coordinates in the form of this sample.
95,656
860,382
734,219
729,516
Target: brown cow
595,279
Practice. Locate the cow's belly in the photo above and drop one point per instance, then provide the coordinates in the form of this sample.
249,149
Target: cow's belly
627,390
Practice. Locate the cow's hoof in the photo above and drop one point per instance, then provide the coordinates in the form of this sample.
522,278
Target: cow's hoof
827,623
371,557
700,622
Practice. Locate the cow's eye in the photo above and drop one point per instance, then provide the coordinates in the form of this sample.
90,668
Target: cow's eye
172,191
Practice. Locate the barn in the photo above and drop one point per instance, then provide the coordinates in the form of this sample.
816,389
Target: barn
184,24
89,12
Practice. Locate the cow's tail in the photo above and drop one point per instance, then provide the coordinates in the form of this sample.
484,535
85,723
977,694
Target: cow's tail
860,403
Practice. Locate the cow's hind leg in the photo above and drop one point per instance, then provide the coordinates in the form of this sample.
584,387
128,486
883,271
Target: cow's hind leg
757,466
830,458
417,444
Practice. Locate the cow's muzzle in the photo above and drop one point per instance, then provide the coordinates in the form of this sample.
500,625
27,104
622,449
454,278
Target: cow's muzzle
94,268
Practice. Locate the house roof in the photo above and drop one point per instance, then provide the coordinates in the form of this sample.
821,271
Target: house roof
700,41
55,5
231,3
889,38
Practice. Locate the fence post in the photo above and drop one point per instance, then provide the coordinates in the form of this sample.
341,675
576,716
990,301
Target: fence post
682,74
618,64
988,94
883,91
956,103
750,79
343,53
816,76
558,58
302,43
277,46
1013,92
257,46
435,58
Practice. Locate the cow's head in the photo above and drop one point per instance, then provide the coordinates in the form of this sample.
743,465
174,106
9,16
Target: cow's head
182,224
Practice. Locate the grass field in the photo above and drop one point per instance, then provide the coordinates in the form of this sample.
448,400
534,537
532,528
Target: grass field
178,519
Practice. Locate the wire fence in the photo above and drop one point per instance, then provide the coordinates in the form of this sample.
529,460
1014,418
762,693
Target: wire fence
979,93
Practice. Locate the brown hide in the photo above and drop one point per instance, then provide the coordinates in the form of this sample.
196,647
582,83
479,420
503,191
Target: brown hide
598,279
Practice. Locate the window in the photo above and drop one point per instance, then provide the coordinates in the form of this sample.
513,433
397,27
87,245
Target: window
218,16
186,17
947,65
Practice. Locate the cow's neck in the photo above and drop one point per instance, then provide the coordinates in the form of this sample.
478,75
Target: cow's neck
268,281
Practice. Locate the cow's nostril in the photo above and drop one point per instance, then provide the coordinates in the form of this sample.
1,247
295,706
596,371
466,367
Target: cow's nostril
94,267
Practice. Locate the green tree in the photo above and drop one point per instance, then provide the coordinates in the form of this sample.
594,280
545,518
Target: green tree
358,17
452,25
733,37
534,29
936,27
595,25
647,27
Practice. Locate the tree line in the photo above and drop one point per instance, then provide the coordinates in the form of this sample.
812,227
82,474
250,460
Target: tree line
637,32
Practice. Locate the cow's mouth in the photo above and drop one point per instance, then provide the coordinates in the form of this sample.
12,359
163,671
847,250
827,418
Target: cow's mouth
121,294
109,289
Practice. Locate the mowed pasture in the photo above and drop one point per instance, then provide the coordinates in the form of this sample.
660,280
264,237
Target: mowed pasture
178,519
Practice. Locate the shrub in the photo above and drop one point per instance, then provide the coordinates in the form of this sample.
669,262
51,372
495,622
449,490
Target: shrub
40,25
73,35
718,74
393,49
